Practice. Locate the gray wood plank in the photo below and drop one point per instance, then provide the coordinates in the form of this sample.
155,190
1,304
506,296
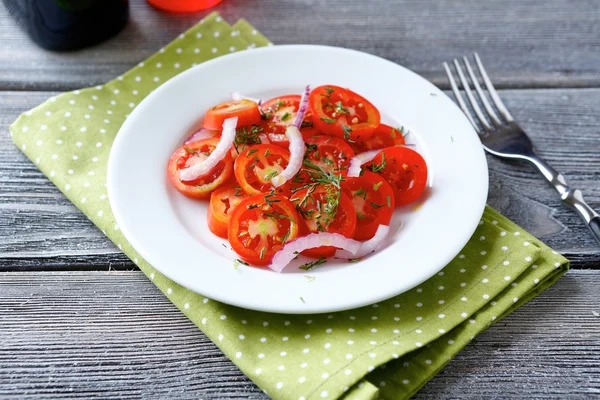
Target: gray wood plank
41,229
98,334
524,43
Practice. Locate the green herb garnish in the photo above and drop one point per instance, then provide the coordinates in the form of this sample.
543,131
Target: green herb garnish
285,116
328,120
310,265
376,205
381,166
377,185
347,131
270,175
389,201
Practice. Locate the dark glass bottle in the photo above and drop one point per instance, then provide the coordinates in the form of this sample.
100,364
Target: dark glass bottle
69,24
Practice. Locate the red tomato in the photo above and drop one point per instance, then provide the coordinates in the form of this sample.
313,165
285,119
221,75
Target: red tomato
279,113
384,136
222,203
247,112
330,153
260,225
193,153
373,200
404,169
343,113
246,136
257,165
314,206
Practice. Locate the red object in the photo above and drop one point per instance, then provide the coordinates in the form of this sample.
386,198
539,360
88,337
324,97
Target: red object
404,169
341,112
314,216
183,5
260,226
280,112
186,156
222,203
246,111
373,200
256,165
384,136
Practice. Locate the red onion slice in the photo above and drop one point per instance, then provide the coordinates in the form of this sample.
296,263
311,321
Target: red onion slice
264,139
291,249
296,157
202,168
366,247
303,107
358,160
200,134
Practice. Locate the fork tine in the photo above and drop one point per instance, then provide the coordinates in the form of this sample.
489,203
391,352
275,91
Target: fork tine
459,97
493,94
474,104
482,96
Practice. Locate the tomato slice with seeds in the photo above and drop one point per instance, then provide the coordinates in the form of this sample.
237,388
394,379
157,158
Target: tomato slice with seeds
384,136
373,201
260,226
191,154
324,208
257,165
341,112
279,113
404,169
330,153
246,110
222,202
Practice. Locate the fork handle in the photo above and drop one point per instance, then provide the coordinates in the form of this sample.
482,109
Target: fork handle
571,197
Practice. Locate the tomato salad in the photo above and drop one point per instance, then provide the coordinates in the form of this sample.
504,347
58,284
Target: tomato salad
315,174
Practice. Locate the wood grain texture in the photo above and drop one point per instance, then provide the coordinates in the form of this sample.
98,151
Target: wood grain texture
98,334
40,229
524,43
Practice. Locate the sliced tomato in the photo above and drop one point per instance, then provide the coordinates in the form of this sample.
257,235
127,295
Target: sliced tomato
222,202
330,153
246,110
384,136
340,112
373,201
246,136
191,154
404,169
324,208
257,165
279,113
260,226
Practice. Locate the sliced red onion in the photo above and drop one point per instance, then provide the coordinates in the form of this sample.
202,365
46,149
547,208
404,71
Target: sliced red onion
237,96
366,247
264,139
225,143
291,249
358,160
296,157
200,134
303,107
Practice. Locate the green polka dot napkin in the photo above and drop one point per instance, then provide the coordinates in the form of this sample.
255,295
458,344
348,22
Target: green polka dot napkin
388,349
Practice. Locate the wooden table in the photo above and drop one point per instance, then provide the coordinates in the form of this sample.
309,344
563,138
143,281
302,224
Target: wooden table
77,319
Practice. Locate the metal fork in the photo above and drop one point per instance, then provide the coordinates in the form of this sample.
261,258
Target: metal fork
502,136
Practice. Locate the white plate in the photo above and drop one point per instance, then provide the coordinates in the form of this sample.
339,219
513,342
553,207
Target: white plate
171,233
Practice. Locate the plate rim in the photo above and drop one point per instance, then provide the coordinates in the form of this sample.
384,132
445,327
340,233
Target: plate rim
300,308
